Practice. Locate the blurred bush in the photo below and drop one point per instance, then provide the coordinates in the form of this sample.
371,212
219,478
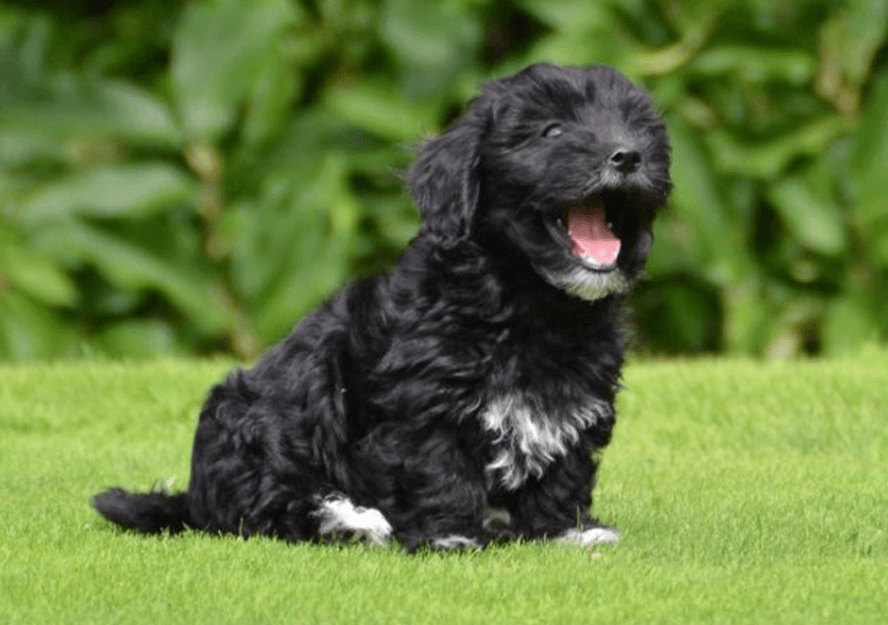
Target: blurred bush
193,177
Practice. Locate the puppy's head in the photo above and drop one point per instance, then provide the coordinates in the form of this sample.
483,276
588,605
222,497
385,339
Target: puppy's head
566,166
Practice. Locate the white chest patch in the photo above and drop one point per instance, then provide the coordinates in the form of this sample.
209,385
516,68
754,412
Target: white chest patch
528,439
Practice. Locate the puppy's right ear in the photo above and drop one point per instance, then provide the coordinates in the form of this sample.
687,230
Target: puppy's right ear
444,180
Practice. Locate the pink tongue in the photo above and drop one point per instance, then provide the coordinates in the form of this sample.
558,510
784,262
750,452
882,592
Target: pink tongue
590,236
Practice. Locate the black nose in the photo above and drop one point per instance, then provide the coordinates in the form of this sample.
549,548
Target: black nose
625,161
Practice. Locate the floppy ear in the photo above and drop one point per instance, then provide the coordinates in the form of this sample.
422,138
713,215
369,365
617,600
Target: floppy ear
445,181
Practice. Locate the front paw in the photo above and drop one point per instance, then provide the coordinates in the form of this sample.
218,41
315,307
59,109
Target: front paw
592,535
454,542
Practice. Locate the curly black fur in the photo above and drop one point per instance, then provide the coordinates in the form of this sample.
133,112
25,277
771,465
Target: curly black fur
462,395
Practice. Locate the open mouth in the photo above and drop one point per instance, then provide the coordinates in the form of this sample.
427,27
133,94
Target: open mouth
590,234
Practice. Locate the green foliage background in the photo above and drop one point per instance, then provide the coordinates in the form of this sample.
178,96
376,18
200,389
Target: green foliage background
192,177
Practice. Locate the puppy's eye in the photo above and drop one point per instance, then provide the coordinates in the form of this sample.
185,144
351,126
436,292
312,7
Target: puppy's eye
553,131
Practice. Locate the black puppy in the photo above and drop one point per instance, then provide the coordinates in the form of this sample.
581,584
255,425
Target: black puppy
463,395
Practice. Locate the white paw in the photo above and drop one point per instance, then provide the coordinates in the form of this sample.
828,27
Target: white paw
454,541
591,536
339,517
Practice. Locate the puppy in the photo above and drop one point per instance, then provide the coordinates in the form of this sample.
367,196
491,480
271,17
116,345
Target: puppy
461,397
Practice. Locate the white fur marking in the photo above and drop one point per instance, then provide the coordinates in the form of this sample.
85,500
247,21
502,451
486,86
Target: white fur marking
587,284
338,514
454,541
591,536
528,439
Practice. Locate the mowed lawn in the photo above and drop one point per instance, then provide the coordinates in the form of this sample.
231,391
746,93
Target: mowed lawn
746,493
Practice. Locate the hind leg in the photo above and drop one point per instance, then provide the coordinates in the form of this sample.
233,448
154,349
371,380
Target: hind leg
257,468
247,476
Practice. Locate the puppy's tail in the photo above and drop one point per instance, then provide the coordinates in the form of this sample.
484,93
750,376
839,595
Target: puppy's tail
149,513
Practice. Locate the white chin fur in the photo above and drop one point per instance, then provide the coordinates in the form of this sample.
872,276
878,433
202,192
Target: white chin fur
587,284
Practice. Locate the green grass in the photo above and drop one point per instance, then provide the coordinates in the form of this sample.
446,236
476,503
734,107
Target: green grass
747,493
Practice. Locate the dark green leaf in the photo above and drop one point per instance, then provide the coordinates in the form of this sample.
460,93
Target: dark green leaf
270,100
136,338
29,330
756,64
220,51
566,15
72,106
19,149
849,325
870,152
433,42
294,249
850,39
130,266
377,109
814,220
715,240
130,190
769,159
35,275
746,317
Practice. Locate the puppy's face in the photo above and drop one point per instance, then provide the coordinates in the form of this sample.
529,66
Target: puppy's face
573,166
